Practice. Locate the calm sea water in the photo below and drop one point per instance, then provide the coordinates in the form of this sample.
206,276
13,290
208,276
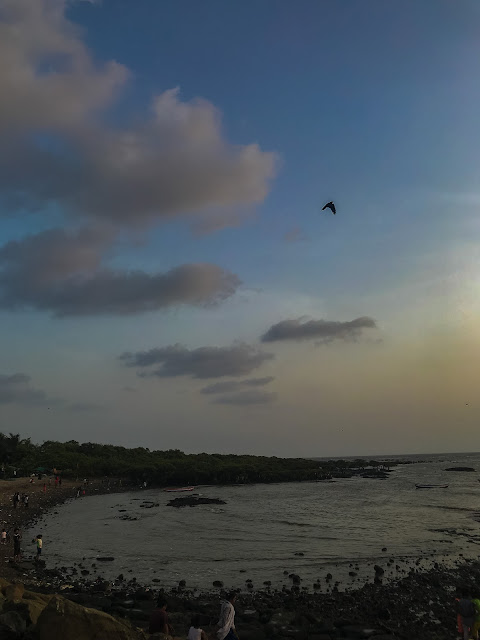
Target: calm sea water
258,532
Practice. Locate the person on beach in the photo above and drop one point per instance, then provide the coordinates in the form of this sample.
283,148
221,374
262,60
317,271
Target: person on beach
25,500
466,609
226,622
3,536
195,632
159,619
476,622
39,542
15,499
17,536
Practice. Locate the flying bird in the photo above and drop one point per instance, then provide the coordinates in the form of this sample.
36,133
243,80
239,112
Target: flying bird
331,206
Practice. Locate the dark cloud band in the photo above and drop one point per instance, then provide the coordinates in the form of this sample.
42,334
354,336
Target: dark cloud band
204,362
320,330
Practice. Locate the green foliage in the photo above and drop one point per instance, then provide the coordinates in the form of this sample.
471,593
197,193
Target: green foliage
172,467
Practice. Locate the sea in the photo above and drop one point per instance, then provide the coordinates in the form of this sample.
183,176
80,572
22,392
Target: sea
267,532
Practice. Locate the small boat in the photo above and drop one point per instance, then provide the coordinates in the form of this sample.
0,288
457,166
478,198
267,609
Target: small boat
180,489
431,486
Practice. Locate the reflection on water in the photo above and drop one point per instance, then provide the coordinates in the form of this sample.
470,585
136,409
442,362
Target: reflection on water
258,532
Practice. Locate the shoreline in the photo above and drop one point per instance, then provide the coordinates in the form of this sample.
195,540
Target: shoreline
40,504
419,605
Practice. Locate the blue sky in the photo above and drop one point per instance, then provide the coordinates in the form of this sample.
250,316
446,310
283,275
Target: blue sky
373,105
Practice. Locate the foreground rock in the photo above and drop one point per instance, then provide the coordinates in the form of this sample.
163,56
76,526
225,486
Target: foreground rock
53,617
193,501
63,619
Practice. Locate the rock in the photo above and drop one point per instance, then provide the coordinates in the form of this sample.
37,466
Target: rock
104,559
460,469
352,573
384,548
378,570
182,583
14,592
328,577
36,603
101,586
62,619
218,583
193,501
295,578
299,553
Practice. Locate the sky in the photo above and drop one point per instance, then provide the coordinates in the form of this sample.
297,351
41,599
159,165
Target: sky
168,278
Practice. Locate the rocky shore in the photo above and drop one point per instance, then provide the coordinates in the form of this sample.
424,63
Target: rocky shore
420,606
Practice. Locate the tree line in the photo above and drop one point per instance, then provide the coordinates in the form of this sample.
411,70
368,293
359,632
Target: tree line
21,457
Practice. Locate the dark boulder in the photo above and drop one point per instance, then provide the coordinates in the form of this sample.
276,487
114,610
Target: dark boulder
193,501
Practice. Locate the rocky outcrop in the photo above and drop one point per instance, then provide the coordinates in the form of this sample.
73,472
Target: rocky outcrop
62,619
52,617
460,469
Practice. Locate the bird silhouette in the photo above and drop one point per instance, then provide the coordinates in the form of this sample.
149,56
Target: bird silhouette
331,206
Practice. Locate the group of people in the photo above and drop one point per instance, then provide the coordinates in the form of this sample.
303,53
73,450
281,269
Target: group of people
468,615
225,627
17,499
17,539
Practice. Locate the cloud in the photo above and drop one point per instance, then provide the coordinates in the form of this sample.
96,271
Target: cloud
204,362
323,331
56,146
62,273
233,385
16,389
247,398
